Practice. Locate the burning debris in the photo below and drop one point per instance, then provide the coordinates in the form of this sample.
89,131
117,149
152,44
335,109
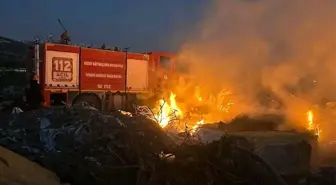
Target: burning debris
192,112
264,129
186,117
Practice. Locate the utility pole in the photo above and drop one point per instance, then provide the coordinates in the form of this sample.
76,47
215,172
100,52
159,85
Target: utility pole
126,88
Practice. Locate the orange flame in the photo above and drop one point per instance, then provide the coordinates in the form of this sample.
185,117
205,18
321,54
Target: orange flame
310,118
168,111
195,127
312,126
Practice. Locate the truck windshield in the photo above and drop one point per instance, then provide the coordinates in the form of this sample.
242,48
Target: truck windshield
165,62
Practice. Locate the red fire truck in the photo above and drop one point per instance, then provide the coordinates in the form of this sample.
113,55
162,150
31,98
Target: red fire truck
106,79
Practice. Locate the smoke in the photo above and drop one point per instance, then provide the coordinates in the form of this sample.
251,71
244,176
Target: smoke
251,45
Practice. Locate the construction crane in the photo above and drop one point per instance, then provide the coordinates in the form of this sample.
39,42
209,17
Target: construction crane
65,39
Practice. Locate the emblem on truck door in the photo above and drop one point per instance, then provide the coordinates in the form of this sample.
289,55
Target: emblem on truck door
62,69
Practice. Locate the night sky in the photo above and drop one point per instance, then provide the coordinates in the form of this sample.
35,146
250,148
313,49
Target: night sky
144,25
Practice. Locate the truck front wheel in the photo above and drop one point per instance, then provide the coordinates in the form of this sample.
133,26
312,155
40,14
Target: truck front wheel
90,98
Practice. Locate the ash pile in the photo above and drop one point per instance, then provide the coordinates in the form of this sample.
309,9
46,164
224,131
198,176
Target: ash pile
84,146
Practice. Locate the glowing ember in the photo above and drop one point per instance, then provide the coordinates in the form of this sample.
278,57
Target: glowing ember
225,108
126,113
198,124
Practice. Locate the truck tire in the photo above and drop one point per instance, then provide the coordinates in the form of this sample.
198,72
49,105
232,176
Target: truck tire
90,98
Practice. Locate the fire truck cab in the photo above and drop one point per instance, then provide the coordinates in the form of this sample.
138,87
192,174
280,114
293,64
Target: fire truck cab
168,68
106,79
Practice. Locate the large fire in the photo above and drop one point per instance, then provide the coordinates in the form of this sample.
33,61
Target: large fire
172,111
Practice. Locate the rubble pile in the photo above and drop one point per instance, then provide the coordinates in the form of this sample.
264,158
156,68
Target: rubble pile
219,162
84,146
